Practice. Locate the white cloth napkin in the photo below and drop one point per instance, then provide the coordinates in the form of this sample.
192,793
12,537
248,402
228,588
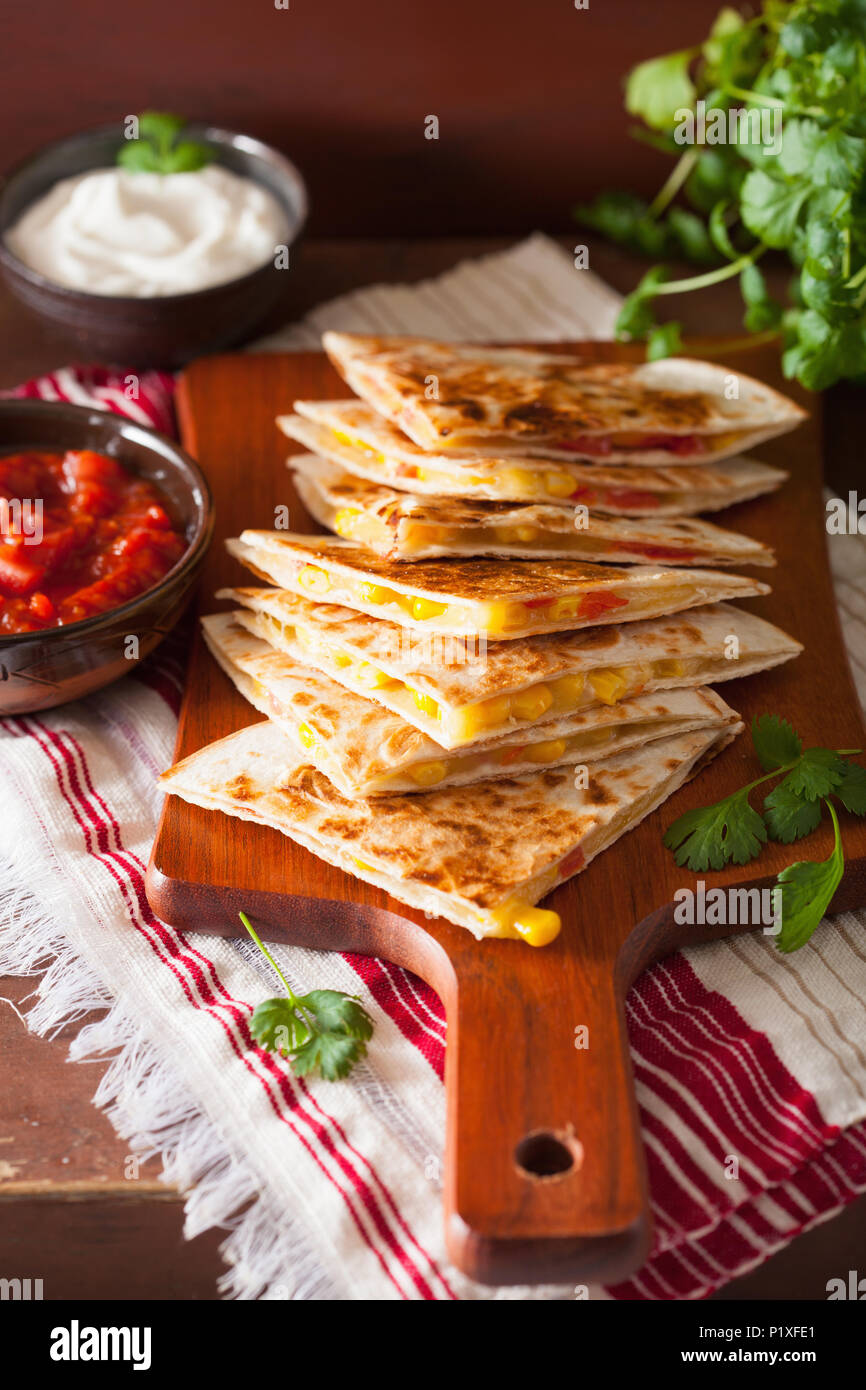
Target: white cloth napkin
334,1190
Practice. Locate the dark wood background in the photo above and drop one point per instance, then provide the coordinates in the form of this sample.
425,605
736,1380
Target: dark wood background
528,94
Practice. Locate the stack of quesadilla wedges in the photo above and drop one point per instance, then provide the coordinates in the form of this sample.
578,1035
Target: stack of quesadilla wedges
500,661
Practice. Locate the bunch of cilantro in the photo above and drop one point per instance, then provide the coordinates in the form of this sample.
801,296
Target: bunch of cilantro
733,831
805,61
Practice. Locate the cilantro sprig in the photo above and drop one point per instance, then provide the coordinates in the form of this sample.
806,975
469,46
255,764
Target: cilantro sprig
324,1030
725,203
733,831
158,149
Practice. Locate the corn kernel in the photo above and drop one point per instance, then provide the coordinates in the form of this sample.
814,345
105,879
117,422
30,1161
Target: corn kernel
424,608
377,593
346,521
546,752
609,685
371,677
306,735
490,713
428,774
426,704
568,690
671,667
559,484
516,535
342,659
504,615
519,480
314,579
532,703
365,868
562,609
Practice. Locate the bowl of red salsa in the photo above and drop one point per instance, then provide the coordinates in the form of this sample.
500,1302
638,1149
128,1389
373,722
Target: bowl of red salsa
104,526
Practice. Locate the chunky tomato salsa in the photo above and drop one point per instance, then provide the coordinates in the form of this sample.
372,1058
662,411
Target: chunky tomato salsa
78,535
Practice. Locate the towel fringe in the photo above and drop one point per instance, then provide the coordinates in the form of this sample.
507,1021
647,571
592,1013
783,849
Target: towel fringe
149,1106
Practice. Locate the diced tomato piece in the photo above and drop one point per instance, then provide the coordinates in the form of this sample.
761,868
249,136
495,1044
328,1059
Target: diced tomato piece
85,466
583,494
658,552
42,608
139,538
511,755
537,602
684,444
629,497
572,863
600,601
17,575
159,517
592,444
598,446
94,499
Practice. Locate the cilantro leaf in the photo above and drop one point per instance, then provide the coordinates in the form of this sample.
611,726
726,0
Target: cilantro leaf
185,157
276,1026
851,790
158,150
807,891
657,89
816,774
709,837
776,742
160,128
664,340
139,156
691,233
788,816
770,208
337,1012
334,1054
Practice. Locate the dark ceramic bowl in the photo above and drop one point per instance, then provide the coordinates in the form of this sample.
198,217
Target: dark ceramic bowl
42,669
166,330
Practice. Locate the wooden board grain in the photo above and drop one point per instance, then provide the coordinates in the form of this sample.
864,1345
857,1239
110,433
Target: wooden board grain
522,1099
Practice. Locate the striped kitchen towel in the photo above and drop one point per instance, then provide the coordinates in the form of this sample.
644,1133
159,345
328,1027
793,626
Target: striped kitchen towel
333,1191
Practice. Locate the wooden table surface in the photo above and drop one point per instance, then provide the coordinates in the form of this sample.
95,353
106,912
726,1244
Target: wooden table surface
73,1210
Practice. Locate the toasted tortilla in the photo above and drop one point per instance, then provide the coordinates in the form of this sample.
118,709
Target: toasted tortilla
400,526
499,599
476,856
451,688
366,750
352,435
460,396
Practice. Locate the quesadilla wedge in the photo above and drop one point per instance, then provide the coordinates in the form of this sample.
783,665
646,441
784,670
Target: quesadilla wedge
480,857
366,750
400,526
461,692
499,599
455,396
352,435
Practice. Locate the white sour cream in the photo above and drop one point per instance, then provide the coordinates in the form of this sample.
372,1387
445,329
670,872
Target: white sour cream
115,232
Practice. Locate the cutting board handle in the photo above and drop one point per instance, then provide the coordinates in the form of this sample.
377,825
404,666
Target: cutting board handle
544,1163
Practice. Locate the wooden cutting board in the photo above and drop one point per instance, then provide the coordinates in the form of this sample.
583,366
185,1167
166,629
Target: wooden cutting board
544,1170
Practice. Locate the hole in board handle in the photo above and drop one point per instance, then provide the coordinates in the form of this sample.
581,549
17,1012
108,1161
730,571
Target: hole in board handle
548,1155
